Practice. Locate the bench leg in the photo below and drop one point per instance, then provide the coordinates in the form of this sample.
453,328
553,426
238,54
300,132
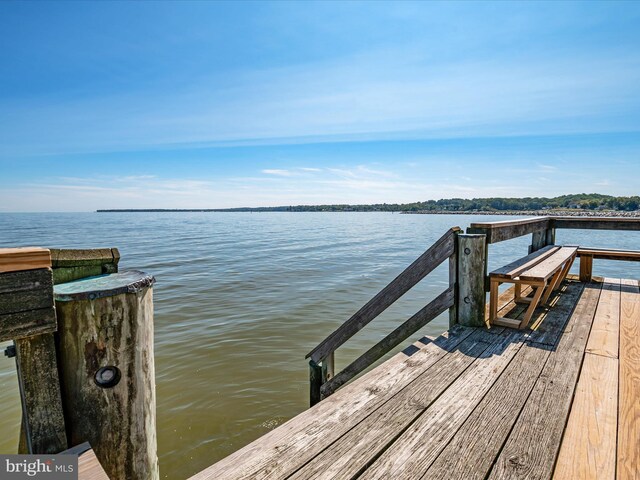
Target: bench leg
551,286
534,303
565,272
493,300
586,268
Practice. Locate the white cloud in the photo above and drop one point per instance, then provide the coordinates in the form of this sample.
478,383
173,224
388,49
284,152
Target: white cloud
281,173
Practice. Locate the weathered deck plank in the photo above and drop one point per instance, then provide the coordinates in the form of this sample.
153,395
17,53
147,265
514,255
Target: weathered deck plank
352,452
603,339
628,457
544,415
414,450
311,431
588,448
483,434
475,404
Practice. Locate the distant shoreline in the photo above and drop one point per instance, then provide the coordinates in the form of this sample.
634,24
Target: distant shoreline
530,213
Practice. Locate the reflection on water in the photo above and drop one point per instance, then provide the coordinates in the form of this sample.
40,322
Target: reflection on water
241,298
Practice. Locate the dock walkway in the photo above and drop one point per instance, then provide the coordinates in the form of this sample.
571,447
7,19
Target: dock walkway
558,400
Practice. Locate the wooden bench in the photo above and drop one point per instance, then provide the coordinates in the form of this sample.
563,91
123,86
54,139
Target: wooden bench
588,254
543,271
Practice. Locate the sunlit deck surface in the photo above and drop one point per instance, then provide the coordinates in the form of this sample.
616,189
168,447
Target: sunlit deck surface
558,400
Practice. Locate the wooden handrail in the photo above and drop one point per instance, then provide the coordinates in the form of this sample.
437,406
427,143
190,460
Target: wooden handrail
437,306
426,263
597,223
508,229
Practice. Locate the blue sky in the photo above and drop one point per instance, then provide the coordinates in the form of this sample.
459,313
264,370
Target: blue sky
213,104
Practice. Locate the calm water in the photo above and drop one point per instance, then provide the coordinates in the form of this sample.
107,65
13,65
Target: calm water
241,298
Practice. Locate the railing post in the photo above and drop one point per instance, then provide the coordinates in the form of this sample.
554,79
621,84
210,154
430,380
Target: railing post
453,283
550,234
538,240
318,375
471,297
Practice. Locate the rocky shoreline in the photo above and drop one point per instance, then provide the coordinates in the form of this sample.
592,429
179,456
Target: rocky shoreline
536,213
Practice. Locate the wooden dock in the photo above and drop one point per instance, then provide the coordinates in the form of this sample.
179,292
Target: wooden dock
557,400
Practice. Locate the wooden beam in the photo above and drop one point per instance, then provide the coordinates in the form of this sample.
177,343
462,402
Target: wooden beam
538,240
26,304
437,306
40,394
516,267
531,449
27,258
508,229
628,456
605,331
586,268
597,223
588,449
426,263
610,254
471,298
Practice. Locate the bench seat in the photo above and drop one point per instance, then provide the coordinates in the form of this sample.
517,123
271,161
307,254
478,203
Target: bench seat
543,270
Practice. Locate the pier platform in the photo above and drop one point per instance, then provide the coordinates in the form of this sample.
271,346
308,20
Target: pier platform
556,400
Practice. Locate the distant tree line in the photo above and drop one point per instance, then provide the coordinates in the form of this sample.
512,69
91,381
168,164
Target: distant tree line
583,201
591,201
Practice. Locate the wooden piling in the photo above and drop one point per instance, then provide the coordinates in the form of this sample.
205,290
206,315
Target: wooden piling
471,298
105,327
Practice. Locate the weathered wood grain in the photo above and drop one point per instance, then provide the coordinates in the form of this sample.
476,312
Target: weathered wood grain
69,274
604,337
419,445
508,229
427,262
313,430
610,254
27,258
628,456
437,306
344,458
25,290
471,298
89,467
586,268
544,415
119,421
514,269
471,452
597,223
538,240
27,324
547,267
548,323
588,449
71,257
484,432
43,418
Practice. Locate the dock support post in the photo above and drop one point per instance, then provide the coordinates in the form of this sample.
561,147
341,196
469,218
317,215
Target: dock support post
471,297
318,375
107,370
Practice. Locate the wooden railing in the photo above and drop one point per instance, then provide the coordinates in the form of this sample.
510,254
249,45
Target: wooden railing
322,378
465,298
